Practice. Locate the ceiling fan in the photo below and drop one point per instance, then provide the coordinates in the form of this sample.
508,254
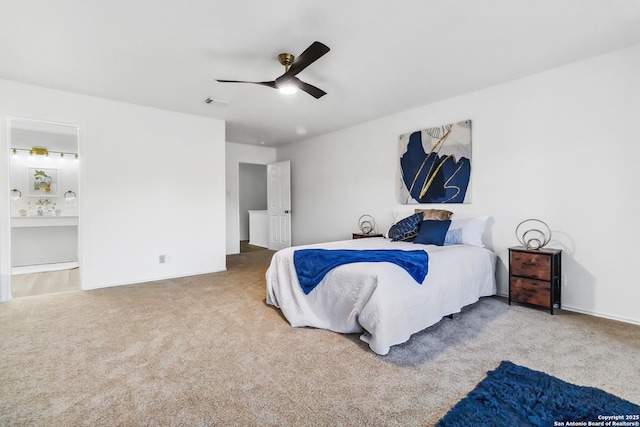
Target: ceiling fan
292,66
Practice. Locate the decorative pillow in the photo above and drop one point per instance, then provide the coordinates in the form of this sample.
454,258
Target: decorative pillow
466,231
440,214
432,232
406,229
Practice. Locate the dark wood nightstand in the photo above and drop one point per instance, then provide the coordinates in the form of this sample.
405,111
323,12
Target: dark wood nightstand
535,276
364,236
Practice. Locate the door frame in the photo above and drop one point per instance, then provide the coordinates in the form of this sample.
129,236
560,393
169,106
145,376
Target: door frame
5,203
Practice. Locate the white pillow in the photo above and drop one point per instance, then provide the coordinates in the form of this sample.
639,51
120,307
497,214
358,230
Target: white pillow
466,231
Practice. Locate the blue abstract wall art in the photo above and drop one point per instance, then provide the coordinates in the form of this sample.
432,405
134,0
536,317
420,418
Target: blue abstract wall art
435,164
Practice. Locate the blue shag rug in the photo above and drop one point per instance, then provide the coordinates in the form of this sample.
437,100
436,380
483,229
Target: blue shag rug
513,395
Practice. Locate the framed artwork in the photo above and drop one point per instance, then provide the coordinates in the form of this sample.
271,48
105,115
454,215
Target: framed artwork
42,182
435,164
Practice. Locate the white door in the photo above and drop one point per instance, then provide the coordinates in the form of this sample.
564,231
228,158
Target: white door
279,204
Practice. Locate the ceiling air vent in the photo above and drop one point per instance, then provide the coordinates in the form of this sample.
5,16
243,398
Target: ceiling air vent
218,102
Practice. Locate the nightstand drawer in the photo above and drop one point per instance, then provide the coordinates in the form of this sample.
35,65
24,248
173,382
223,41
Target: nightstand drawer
527,264
531,291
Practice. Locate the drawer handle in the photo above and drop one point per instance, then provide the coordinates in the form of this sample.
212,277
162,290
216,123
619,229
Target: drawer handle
529,264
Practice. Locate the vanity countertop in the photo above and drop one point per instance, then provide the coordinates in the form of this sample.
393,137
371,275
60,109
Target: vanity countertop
43,221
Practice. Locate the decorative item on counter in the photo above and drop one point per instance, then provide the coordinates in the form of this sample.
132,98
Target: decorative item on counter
22,212
367,224
533,238
43,207
16,194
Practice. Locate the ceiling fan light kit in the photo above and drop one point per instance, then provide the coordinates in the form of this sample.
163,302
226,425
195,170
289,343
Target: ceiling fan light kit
288,83
287,89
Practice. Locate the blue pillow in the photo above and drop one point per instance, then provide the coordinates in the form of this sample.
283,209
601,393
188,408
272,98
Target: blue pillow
406,229
432,232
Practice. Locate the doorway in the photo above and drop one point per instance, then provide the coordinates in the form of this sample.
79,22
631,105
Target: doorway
44,180
252,207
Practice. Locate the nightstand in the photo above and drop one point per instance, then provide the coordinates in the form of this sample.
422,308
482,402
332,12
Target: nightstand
535,276
364,236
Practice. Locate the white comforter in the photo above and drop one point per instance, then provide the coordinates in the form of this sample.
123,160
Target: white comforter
380,299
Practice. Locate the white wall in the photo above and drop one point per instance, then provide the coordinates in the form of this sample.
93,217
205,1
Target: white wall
252,193
561,146
151,183
236,154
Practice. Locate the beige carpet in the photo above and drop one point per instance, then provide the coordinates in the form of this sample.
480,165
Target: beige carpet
206,350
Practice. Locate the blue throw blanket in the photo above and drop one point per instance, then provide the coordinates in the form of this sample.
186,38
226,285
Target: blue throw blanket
313,264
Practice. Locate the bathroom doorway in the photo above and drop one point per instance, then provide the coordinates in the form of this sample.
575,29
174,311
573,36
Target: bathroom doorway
44,181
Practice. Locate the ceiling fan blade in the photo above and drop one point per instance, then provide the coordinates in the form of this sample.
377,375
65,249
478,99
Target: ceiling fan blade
310,89
306,58
269,84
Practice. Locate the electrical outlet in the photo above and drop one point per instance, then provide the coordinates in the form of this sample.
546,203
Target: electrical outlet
162,259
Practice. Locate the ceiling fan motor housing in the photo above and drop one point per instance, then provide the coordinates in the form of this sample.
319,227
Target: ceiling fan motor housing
286,59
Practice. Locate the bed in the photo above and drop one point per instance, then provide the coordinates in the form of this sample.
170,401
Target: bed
381,300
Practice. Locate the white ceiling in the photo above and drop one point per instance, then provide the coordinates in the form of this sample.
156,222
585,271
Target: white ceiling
386,56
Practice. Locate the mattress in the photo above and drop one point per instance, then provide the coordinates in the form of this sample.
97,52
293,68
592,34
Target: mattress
380,300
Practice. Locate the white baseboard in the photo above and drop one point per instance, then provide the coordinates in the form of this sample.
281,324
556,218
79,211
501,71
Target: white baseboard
590,313
603,315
